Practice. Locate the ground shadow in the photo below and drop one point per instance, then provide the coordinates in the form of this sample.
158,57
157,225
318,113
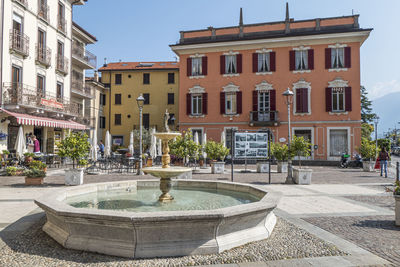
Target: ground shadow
378,224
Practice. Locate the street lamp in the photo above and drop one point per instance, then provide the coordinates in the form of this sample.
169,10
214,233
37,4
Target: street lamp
289,99
376,121
140,102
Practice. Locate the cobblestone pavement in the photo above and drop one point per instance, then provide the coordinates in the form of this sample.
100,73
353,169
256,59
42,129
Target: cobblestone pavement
286,242
380,201
377,234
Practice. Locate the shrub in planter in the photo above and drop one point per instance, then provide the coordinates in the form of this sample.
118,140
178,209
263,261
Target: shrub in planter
368,152
76,147
216,152
28,157
34,176
281,154
36,164
11,171
301,148
183,147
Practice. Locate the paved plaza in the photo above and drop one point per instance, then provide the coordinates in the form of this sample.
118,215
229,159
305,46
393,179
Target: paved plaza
344,218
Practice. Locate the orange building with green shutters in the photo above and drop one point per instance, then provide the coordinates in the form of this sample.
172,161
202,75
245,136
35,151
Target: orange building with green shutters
234,77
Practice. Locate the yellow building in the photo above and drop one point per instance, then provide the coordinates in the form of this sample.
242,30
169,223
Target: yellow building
158,82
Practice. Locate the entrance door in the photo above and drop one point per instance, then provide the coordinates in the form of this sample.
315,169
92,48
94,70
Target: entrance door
17,32
306,134
263,106
12,137
338,142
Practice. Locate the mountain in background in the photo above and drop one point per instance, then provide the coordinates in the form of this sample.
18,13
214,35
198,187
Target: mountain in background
388,109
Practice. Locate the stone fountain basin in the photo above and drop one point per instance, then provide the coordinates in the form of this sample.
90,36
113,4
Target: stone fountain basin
166,172
158,234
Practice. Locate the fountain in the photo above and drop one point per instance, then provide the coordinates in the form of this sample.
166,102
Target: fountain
130,219
166,172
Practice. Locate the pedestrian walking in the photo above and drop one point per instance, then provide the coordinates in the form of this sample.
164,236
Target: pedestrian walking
36,145
101,148
384,157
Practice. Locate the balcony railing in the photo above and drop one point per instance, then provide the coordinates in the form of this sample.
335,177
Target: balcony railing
22,2
77,87
19,42
62,64
264,118
19,94
43,55
62,24
84,55
44,12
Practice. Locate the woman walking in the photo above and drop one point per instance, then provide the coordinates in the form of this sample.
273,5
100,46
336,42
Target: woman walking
384,157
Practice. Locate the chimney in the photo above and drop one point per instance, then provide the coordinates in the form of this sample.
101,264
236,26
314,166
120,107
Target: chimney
105,62
287,19
241,23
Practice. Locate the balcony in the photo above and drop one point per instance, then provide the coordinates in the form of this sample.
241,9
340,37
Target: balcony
264,118
86,120
44,12
62,64
23,3
84,58
16,95
19,43
78,88
43,55
62,24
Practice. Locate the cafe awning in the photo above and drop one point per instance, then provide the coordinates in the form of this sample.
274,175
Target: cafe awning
26,119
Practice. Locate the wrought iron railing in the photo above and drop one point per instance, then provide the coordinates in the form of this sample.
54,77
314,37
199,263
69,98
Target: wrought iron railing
84,55
62,64
20,94
43,55
264,116
19,42
62,24
43,11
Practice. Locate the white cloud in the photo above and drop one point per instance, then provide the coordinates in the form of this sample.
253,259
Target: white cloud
383,88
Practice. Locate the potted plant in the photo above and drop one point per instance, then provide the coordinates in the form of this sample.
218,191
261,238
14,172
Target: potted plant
301,148
281,154
34,176
216,152
368,153
14,171
201,161
396,194
36,164
5,154
76,147
28,157
183,147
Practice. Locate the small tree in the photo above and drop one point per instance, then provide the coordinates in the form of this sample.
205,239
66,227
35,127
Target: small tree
366,130
216,151
280,151
383,142
75,146
184,146
300,147
367,149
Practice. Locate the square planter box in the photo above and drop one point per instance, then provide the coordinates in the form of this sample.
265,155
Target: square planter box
397,210
368,166
282,166
262,167
34,181
217,167
74,176
302,176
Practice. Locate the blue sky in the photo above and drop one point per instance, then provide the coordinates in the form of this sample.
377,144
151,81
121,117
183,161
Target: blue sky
133,30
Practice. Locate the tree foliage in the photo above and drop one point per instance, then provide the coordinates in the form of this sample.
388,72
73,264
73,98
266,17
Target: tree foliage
75,146
300,147
366,130
184,147
216,150
280,151
367,115
367,149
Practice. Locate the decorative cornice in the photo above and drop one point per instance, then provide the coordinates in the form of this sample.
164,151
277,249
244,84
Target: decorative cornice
301,48
197,55
337,45
264,86
231,87
338,82
197,89
230,53
230,75
338,69
263,50
197,77
302,84
301,71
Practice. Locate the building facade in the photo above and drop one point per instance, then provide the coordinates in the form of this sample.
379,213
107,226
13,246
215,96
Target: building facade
158,82
234,77
36,64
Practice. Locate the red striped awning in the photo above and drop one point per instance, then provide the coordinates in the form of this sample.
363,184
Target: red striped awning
26,119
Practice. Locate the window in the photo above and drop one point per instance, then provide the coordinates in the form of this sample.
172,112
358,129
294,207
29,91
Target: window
146,78
102,122
230,64
118,100
118,78
230,103
60,91
301,100
146,99
16,76
264,62
197,104
337,58
301,60
338,104
41,49
171,98
117,140
199,133
146,121
338,142
60,49
41,85
17,24
117,119
171,78
102,99
171,120
197,68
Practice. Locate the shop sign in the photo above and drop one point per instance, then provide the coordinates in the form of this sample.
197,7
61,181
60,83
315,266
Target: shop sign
51,103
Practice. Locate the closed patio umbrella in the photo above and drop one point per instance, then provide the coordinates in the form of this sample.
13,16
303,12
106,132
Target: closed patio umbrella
107,145
223,138
153,150
159,147
94,146
131,150
204,145
20,144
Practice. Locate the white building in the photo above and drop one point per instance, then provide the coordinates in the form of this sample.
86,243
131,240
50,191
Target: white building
40,49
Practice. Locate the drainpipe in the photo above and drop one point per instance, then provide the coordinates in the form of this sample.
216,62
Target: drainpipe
1,52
